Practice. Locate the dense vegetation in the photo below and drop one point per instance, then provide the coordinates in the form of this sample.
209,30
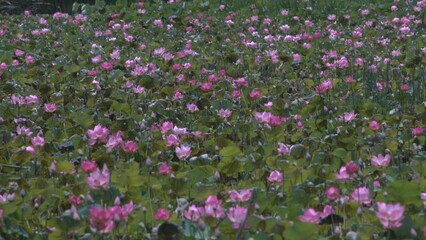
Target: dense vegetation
214,120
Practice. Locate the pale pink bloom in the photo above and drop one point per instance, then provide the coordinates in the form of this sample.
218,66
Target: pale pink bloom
29,59
262,117
166,126
19,52
50,107
332,193
240,196
115,54
162,214
98,179
380,161
96,59
30,149
236,94
101,220
22,130
390,215
212,207
374,126
193,213
225,113
192,107
129,147
183,152
164,169
4,198
180,131
348,116
254,94
114,140
343,174
98,133
284,149
327,211
31,99
268,104
172,140
310,215
88,166
38,141
423,198
275,176
361,195
418,131
237,215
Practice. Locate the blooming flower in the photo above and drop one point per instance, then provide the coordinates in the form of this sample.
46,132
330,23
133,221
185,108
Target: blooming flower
348,116
237,215
361,195
380,161
374,126
37,141
101,220
332,193
88,166
275,176
225,113
418,131
98,133
129,147
193,213
240,196
284,149
98,179
162,214
390,215
164,169
50,107
183,152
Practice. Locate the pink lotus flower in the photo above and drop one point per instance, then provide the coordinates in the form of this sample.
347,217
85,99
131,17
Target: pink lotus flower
193,213
164,169
212,207
418,131
37,141
348,116
275,176
162,214
98,133
88,166
310,215
183,152
262,117
129,147
255,94
361,195
101,220
351,168
284,149
205,87
374,126
332,193
114,141
50,107
242,196
98,179
237,215
343,174
172,140
423,198
380,161
166,126
74,200
225,113
390,215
